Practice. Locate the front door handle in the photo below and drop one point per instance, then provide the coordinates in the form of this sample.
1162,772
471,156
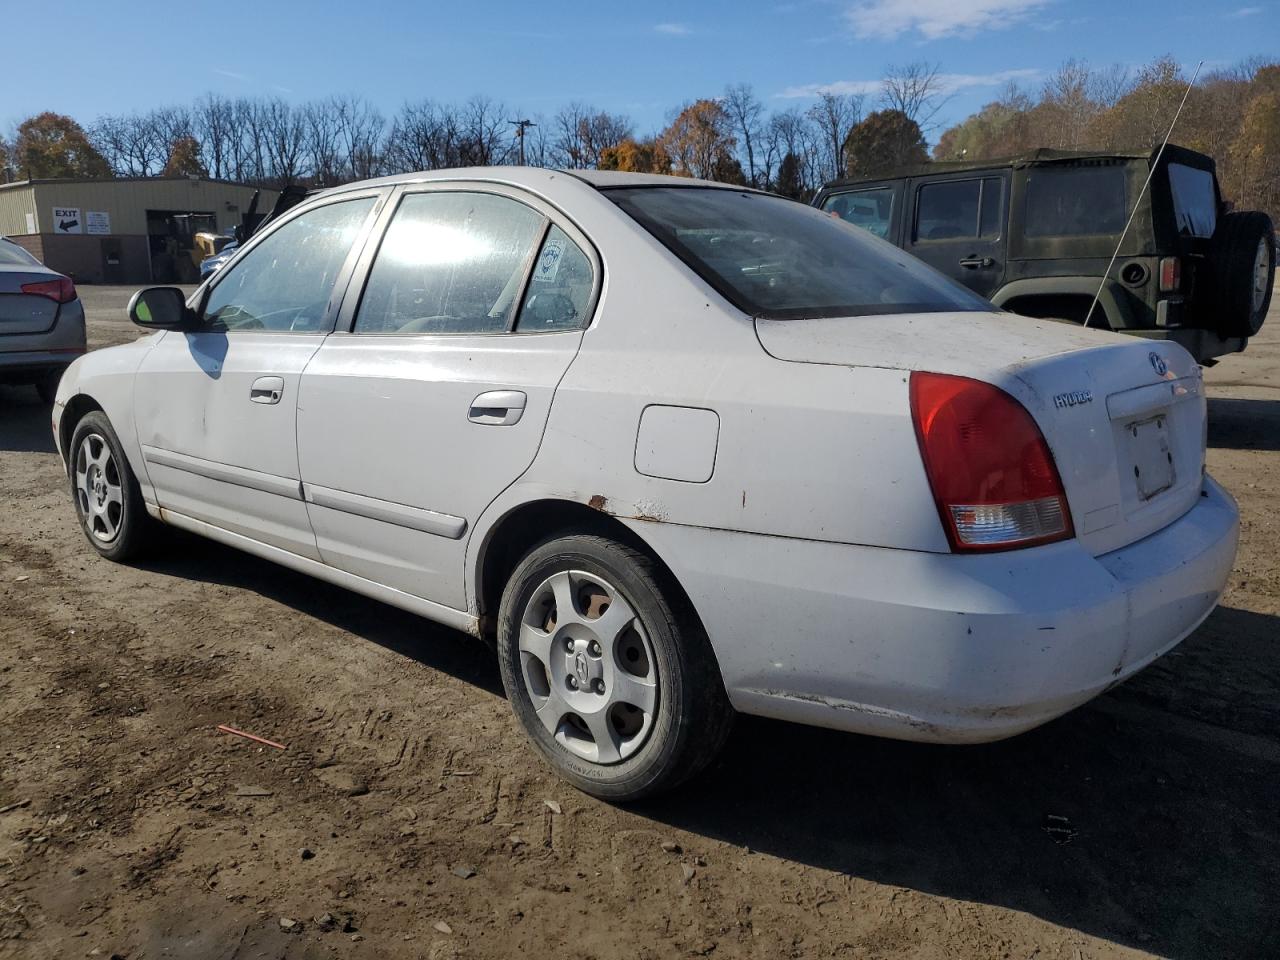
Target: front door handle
973,263
498,408
267,390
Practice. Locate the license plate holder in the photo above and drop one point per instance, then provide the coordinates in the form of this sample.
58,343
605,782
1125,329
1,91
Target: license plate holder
1152,456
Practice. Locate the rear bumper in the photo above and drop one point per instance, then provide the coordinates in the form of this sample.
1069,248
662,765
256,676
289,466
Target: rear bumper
944,647
35,363
26,356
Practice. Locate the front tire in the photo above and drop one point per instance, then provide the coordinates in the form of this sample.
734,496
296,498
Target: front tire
105,491
608,669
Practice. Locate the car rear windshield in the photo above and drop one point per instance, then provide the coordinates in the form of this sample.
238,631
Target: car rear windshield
13,255
1195,201
782,260
1068,201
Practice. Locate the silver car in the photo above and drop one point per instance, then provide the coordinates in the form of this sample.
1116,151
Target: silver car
41,321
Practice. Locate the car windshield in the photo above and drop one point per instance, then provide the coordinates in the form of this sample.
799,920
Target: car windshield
13,255
782,260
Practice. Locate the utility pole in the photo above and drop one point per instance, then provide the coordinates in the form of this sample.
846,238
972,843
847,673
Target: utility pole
521,126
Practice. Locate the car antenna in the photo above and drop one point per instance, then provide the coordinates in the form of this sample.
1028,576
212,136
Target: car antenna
1146,183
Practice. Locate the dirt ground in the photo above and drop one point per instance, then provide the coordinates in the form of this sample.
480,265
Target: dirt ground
408,819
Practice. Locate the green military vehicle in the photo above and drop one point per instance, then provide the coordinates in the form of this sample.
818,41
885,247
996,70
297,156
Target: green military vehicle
1035,235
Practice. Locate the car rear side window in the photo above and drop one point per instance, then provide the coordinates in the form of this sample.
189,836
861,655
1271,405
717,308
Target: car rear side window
782,260
284,283
559,291
1195,201
451,262
1067,201
959,209
872,210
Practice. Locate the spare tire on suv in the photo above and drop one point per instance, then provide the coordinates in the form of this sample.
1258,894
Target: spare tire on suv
1243,258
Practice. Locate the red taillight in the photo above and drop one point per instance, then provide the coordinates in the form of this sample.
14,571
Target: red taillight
992,474
1170,275
61,290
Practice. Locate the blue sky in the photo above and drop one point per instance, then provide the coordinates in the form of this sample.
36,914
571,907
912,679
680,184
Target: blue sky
641,59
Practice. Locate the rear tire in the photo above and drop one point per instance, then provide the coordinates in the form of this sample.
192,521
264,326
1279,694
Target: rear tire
608,669
1243,259
105,491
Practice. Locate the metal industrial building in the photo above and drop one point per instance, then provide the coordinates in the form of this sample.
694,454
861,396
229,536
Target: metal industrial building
125,230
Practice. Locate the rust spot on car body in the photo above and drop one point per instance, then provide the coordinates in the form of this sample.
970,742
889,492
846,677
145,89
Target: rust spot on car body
597,502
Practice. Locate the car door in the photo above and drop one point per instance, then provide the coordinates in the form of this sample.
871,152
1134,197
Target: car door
957,228
432,397
215,406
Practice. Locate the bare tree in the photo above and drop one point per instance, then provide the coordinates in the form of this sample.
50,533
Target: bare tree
360,129
833,116
484,139
213,125
745,112
790,132
325,159
423,136
580,134
917,89
285,130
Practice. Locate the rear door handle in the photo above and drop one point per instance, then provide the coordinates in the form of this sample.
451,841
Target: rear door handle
973,263
267,390
498,408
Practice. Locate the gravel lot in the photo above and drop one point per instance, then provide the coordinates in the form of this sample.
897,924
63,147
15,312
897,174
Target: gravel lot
407,818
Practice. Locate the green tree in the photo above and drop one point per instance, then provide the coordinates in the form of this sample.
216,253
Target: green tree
184,159
789,182
51,145
884,141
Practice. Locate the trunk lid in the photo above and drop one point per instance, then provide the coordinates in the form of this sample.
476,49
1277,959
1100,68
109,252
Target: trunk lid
23,313
1123,417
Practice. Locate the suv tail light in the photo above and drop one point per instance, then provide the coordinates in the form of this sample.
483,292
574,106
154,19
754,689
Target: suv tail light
61,290
991,472
1170,275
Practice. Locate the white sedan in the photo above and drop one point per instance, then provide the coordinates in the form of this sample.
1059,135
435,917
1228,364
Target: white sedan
678,449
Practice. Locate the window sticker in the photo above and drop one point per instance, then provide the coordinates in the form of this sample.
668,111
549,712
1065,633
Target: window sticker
549,260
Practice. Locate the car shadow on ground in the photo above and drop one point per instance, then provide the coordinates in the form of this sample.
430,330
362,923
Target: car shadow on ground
190,557
1244,424
24,421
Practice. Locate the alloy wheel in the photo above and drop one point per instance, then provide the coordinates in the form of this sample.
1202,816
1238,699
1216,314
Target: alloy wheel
99,490
588,666
1261,274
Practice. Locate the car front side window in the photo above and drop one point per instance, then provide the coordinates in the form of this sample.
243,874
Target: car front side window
872,210
451,262
284,283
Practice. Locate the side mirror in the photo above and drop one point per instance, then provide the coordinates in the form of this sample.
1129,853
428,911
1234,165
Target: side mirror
161,308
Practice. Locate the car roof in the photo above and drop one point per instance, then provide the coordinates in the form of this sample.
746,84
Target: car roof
1041,157
536,177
